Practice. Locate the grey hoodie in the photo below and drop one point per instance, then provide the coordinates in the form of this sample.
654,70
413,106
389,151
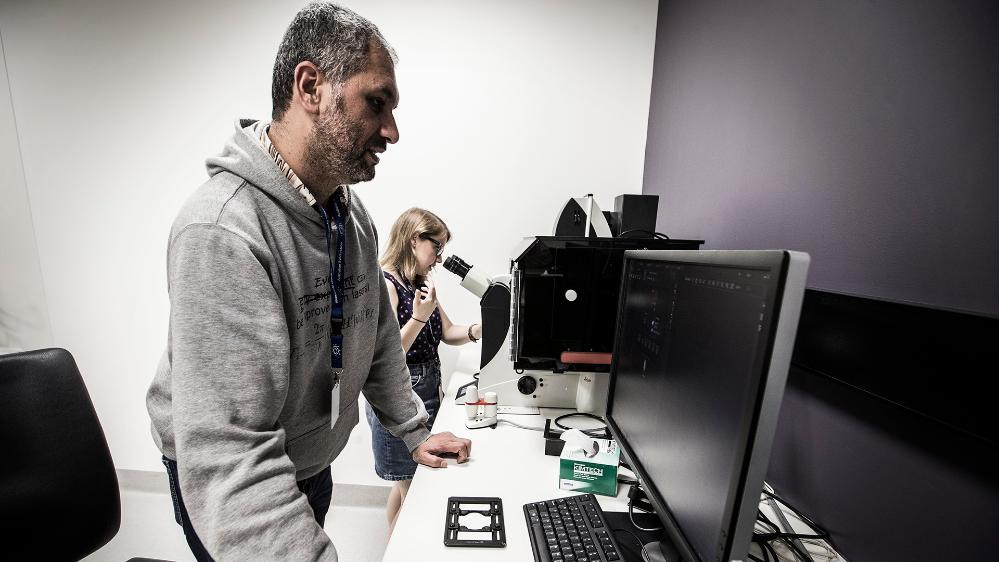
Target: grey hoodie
241,397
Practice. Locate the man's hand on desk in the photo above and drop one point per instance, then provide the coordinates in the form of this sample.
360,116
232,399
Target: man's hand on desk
441,446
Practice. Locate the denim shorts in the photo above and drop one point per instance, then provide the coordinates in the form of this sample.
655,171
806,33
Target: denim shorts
392,458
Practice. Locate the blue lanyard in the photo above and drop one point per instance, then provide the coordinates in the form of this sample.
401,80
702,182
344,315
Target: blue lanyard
336,280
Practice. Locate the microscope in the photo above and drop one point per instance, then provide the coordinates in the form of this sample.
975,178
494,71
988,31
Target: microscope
517,392
548,326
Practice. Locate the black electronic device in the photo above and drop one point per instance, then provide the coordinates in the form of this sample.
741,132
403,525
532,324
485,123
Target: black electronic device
581,216
703,345
550,323
571,528
565,296
552,318
634,215
553,439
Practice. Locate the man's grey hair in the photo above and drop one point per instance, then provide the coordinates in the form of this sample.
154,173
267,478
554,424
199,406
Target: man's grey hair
333,38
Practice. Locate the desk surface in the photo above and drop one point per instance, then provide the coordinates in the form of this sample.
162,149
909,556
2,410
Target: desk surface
507,462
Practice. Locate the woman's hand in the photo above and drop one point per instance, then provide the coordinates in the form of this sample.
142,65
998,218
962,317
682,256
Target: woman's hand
425,302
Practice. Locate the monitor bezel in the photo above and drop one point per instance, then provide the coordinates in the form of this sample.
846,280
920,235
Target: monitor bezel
791,269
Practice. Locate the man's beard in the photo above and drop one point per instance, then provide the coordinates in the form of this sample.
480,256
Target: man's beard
336,154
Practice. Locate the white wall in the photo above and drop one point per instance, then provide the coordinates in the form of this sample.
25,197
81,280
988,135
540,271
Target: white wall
24,317
507,109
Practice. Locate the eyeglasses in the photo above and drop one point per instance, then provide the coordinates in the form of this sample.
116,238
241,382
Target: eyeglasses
438,247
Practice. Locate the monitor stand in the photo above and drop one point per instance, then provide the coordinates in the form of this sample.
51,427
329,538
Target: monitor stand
657,551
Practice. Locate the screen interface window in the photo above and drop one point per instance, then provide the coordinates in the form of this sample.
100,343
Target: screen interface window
691,342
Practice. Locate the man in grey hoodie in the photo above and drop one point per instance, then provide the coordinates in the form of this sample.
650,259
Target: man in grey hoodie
278,315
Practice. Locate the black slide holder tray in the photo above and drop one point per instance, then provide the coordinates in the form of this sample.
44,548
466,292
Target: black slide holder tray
461,506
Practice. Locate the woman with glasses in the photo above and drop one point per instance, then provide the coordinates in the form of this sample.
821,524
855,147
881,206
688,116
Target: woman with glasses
416,243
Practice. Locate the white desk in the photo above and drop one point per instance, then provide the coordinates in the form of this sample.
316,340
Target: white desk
507,462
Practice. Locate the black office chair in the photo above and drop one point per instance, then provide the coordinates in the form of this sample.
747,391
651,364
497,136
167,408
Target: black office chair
58,488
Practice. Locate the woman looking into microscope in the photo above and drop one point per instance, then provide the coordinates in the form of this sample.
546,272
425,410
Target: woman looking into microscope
416,243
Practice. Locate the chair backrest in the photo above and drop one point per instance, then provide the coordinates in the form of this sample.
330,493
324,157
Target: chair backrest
58,488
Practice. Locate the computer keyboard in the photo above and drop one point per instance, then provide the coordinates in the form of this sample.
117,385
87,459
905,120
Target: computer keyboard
571,529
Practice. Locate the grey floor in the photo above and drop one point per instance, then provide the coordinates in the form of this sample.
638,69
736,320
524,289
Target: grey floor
356,522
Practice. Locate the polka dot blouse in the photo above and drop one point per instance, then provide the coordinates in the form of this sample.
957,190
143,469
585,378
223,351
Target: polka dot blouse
424,348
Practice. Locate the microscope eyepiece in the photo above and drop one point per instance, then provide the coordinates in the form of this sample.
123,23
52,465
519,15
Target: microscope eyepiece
456,265
471,278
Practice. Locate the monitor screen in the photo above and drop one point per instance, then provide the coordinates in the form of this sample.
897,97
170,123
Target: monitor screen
703,344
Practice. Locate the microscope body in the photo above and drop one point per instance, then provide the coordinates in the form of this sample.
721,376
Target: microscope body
548,327
516,389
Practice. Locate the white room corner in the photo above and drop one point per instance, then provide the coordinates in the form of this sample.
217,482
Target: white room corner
24,316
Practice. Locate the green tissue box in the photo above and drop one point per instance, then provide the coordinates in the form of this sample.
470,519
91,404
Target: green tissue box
589,467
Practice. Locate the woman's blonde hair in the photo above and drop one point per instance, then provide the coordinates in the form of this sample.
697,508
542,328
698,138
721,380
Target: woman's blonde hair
409,226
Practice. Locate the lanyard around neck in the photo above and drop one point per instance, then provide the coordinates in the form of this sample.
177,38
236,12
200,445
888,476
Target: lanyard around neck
337,259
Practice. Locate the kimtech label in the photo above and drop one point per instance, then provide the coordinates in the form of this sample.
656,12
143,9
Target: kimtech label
583,472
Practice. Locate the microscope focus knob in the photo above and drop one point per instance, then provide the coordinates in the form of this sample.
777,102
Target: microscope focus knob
527,384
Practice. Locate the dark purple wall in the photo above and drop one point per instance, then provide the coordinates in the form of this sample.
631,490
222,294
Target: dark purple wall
887,483
864,133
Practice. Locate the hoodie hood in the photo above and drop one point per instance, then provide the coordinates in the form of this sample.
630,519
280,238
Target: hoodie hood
243,156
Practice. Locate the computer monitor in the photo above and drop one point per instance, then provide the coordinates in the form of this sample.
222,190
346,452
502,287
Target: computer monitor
704,341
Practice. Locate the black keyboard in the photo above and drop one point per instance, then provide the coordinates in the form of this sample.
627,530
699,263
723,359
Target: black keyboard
570,529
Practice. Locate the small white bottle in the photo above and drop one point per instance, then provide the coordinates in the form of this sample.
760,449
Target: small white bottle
490,411
471,402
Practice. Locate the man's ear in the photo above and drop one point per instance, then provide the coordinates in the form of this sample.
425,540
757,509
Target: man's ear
306,89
